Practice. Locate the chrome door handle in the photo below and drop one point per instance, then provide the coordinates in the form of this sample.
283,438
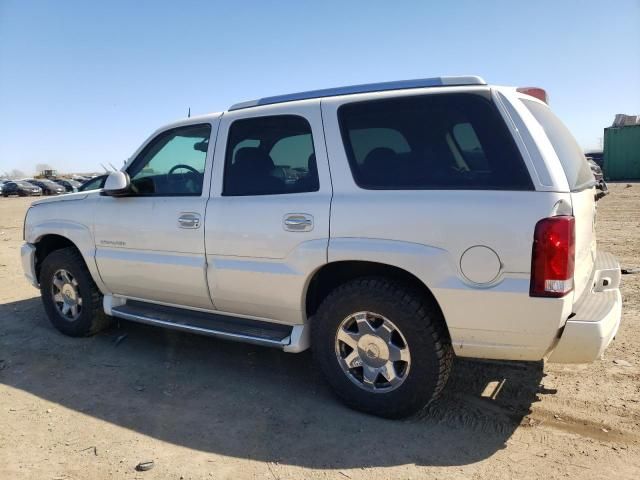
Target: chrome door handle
189,220
298,222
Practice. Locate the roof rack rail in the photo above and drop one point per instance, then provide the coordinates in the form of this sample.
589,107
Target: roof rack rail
364,88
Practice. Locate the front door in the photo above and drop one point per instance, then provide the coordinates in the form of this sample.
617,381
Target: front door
150,244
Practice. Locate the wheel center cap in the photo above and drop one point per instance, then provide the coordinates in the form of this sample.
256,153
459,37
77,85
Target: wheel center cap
68,292
372,351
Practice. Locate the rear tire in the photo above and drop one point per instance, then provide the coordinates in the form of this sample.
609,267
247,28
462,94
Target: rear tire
70,296
418,335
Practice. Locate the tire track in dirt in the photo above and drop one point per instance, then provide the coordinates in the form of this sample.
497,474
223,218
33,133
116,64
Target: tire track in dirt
583,427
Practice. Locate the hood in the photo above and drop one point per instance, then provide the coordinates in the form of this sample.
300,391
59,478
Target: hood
63,198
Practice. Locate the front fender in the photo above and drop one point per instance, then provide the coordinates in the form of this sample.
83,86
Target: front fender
77,233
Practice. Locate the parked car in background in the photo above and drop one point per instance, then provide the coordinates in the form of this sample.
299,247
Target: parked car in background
68,184
20,188
48,187
94,183
599,176
597,156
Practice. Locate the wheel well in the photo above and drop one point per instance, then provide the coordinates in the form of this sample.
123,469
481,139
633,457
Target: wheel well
48,244
334,274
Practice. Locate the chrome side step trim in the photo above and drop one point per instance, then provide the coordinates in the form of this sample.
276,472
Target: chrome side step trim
211,332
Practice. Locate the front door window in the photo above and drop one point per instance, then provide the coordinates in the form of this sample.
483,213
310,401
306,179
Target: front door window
173,163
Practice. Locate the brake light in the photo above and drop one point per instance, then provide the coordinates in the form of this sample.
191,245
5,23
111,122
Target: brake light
553,257
535,92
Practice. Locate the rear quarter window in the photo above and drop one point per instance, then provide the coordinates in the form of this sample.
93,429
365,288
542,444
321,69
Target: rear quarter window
437,141
573,160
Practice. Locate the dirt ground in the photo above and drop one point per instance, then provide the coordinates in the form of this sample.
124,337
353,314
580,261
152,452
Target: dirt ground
201,408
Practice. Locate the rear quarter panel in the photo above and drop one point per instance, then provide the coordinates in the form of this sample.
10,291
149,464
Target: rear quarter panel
426,232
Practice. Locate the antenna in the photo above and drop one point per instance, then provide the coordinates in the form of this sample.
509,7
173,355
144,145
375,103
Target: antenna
105,168
114,168
189,113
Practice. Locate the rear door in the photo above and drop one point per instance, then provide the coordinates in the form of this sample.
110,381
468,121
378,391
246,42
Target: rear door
581,184
267,223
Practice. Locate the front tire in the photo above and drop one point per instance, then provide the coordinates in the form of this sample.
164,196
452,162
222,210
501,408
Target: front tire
70,296
382,346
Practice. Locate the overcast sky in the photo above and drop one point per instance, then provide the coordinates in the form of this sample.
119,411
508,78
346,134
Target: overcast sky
84,83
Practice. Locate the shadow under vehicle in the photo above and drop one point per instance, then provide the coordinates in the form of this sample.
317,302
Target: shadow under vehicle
253,402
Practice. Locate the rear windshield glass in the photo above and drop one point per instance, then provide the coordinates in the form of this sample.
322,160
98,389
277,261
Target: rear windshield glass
573,161
444,141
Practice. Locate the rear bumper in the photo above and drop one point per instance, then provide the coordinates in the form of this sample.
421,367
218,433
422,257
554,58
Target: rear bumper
596,319
28,257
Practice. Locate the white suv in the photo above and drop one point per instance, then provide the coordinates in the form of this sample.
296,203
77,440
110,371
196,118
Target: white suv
388,227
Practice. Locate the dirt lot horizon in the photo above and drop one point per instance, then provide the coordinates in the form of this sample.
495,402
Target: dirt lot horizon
201,408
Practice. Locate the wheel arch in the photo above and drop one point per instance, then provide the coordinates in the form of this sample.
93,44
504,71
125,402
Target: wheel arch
50,236
333,274
49,243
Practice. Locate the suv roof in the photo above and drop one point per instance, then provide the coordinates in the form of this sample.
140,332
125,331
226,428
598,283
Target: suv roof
364,88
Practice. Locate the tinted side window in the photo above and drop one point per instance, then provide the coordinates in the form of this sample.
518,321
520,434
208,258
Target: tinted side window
270,155
173,163
573,161
364,140
431,142
466,144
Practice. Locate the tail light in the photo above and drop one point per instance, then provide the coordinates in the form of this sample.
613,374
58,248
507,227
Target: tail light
553,257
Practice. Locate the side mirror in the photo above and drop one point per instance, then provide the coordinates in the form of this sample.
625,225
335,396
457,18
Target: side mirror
117,184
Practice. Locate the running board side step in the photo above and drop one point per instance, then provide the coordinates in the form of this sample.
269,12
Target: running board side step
291,338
